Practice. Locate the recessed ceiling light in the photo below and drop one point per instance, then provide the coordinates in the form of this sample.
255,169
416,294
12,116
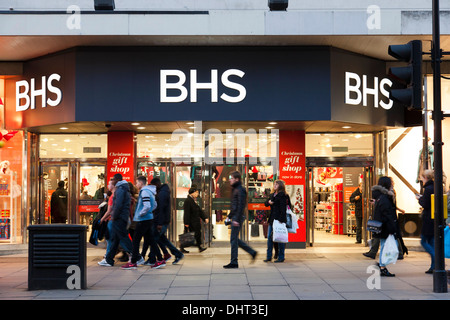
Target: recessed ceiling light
273,122
64,128
189,123
270,127
140,128
346,127
191,127
135,123
67,140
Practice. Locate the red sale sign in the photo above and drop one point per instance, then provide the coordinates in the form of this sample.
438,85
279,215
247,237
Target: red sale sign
121,155
292,163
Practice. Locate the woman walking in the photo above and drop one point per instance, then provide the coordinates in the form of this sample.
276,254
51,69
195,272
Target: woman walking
385,212
278,203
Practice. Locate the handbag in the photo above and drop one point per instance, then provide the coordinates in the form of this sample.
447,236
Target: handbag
447,242
374,226
294,226
279,232
187,239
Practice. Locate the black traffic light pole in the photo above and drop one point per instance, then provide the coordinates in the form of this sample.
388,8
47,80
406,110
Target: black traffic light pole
439,275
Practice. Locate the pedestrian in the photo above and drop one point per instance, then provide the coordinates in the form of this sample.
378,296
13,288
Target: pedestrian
162,220
356,198
278,202
143,216
427,232
58,204
192,216
119,219
375,241
384,211
236,219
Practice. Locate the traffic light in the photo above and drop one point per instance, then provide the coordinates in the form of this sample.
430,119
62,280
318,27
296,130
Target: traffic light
409,76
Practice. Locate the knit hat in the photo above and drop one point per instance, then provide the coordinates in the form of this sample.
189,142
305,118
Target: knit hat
192,190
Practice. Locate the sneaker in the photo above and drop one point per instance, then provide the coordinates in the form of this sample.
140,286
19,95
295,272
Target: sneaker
159,264
177,259
141,261
129,266
104,263
167,257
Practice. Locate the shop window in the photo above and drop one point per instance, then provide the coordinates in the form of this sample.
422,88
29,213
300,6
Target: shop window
76,146
339,144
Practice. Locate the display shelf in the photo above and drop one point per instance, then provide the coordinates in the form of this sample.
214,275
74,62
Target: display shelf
8,211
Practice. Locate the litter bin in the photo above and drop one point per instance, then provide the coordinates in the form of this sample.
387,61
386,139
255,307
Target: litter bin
57,256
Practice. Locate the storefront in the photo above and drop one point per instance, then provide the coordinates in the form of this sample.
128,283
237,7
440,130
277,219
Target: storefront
190,116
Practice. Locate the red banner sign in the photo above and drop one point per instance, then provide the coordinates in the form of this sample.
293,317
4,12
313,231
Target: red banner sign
121,155
292,172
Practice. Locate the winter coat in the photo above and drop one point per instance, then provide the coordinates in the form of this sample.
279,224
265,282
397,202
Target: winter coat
279,207
425,202
193,213
162,212
58,205
121,202
146,204
384,211
238,202
358,203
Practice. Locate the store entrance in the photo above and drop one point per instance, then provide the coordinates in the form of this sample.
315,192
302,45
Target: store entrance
331,215
70,191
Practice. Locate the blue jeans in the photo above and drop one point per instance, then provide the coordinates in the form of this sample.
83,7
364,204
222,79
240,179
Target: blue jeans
237,243
427,243
165,244
281,246
118,235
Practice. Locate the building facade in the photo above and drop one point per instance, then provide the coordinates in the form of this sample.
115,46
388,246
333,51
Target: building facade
178,92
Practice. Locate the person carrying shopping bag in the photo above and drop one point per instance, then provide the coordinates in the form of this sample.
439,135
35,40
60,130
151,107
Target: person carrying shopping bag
384,211
278,202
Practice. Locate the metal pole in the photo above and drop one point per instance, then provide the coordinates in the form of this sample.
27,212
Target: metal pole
439,275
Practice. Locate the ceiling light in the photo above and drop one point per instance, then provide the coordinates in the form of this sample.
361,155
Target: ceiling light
135,123
346,127
270,127
64,128
273,122
189,123
140,128
67,140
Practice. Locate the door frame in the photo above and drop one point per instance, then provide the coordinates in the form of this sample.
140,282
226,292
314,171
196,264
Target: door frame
73,167
367,163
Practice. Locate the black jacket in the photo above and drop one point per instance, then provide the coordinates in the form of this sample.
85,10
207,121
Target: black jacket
238,202
121,202
384,211
425,202
161,215
193,213
358,203
279,207
58,205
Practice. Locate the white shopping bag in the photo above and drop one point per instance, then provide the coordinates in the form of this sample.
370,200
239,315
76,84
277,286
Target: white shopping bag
279,231
294,227
390,251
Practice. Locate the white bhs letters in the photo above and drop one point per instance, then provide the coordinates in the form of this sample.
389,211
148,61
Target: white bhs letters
362,93
213,86
28,92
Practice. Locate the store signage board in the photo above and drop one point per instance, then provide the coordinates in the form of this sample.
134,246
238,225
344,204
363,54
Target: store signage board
121,155
209,83
292,171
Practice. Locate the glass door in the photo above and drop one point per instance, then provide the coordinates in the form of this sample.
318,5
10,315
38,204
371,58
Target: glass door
54,193
91,190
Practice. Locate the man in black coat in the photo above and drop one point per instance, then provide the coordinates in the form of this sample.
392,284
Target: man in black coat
356,198
58,204
427,233
162,220
236,217
192,215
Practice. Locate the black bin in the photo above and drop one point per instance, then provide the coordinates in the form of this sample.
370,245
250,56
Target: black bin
57,256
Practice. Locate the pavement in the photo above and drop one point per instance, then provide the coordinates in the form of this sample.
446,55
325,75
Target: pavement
315,273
